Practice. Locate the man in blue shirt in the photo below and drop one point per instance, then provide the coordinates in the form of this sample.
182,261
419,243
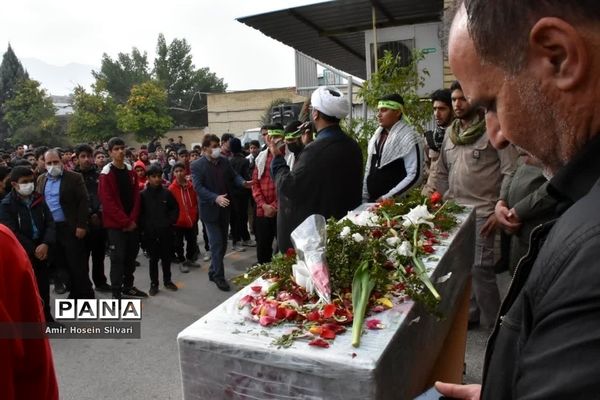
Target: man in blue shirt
67,199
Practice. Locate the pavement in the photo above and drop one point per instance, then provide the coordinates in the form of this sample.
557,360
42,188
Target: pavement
148,368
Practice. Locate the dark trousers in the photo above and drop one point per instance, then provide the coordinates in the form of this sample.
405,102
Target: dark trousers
266,232
42,278
95,246
123,247
205,237
191,237
239,218
160,248
70,252
217,237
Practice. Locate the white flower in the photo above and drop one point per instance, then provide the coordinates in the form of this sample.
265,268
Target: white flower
417,216
405,249
345,232
357,237
363,218
392,241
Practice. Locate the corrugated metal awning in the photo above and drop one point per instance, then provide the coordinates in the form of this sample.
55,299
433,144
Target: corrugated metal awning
332,32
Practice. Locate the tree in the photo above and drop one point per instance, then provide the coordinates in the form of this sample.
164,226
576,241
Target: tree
11,72
392,77
174,69
29,105
30,116
117,77
94,116
145,112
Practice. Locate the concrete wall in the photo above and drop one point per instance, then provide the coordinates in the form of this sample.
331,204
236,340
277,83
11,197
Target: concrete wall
235,112
190,137
448,75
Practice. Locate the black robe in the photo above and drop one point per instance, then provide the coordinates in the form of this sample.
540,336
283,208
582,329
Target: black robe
326,180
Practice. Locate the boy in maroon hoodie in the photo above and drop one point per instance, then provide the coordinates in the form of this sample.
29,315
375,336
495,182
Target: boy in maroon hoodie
120,198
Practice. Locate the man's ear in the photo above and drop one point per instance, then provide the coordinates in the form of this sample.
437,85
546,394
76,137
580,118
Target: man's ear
558,52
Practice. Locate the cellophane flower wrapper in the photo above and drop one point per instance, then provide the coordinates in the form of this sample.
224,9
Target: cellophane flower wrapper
310,240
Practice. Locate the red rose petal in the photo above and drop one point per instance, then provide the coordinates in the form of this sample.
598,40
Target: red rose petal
265,320
256,289
374,324
319,343
327,334
247,299
313,315
329,310
290,314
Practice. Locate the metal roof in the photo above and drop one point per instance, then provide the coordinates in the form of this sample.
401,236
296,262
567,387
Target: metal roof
332,32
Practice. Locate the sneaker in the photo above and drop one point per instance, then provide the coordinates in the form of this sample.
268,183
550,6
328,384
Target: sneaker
191,264
133,292
60,288
206,256
153,290
249,243
171,286
222,285
237,247
105,288
184,268
179,259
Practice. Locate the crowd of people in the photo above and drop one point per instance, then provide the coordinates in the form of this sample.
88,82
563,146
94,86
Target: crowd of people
507,142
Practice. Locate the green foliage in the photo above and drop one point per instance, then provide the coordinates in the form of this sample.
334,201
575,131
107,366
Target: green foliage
11,72
117,77
176,72
49,133
392,77
29,106
361,130
94,116
145,112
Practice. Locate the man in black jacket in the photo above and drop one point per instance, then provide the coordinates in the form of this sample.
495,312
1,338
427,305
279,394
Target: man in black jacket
327,179
95,240
28,217
539,84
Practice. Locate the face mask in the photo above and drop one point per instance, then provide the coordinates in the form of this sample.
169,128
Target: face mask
153,161
215,153
54,170
25,189
172,162
295,147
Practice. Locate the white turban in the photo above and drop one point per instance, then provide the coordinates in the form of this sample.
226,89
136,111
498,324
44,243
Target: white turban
329,104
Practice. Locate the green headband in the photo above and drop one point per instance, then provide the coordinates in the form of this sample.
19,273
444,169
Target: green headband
293,135
391,104
276,132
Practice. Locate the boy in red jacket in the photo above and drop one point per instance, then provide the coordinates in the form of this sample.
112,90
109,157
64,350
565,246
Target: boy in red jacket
187,222
120,198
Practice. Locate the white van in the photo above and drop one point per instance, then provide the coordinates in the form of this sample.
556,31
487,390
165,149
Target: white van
252,134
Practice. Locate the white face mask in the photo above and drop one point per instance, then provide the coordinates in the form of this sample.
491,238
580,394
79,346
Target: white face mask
25,189
215,153
54,170
153,161
172,162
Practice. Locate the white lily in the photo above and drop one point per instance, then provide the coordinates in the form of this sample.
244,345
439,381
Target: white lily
405,249
357,237
345,232
392,241
363,218
417,216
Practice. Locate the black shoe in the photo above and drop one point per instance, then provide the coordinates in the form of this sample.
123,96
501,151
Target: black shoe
222,285
133,292
105,288
171,286
153,290
210,278
194,257
191,264
60,288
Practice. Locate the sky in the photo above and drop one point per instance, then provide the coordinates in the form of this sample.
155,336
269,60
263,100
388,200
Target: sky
60,32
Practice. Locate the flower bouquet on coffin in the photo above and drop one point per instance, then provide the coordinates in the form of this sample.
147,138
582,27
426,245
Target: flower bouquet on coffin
341,272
